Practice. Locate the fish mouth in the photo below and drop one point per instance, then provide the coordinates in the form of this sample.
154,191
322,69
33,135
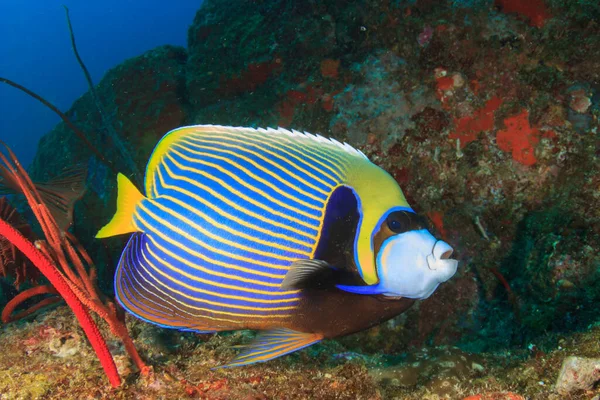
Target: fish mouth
385,297
439,261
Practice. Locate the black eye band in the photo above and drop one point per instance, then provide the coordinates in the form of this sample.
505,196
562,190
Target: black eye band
404,221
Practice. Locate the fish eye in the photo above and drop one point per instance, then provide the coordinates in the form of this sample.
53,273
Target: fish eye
395,225
404,221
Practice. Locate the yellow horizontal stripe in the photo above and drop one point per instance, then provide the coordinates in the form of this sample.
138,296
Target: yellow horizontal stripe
234,218
274,175
241,182
210,310
328,151
133,299
164,311
204,291
284,349
246,148
250,200
273,292
202,256
194,238
195,289
217,224
305,145
256,142
140,303
173,306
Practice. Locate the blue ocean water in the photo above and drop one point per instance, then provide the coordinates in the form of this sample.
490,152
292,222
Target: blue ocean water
35,51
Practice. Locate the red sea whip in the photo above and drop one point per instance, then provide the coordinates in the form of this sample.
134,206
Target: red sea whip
59,282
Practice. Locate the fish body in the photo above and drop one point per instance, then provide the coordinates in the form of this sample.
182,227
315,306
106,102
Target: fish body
264,229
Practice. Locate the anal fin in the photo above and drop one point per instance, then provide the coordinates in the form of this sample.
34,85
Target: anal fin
272,344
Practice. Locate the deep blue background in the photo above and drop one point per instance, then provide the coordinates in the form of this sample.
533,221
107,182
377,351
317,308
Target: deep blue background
35,51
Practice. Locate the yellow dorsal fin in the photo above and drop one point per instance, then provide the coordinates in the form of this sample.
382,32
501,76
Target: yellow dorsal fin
128,196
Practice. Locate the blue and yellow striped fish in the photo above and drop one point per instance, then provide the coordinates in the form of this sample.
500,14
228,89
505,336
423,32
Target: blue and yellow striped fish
290,233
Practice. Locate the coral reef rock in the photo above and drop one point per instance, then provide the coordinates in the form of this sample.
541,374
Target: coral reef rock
576,374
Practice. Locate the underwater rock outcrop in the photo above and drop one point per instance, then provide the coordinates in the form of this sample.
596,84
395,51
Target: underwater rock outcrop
577,374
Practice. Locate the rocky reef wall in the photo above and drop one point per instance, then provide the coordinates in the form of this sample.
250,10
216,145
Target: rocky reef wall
484,111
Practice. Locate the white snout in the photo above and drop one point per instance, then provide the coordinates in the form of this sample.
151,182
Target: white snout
439,260
442,250
413,264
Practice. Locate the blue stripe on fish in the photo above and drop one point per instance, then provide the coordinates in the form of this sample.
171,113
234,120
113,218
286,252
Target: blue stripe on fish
143,294
216,191
163,275
224,209
224,226
180,295
312,167
251,183
330,163
207,265
271,344
133,295
265,166
194,237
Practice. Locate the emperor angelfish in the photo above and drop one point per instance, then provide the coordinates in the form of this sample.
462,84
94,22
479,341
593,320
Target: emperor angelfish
295,235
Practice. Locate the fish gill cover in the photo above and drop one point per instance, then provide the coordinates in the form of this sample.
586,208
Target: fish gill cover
484,112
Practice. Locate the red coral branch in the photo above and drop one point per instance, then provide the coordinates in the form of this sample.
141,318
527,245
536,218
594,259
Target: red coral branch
41,304
58,281
12,262
25,295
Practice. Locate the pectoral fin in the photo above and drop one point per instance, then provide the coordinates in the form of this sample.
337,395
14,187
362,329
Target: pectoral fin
272,344
307,273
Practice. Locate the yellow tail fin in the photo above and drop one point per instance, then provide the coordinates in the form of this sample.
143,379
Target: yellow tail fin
128,196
